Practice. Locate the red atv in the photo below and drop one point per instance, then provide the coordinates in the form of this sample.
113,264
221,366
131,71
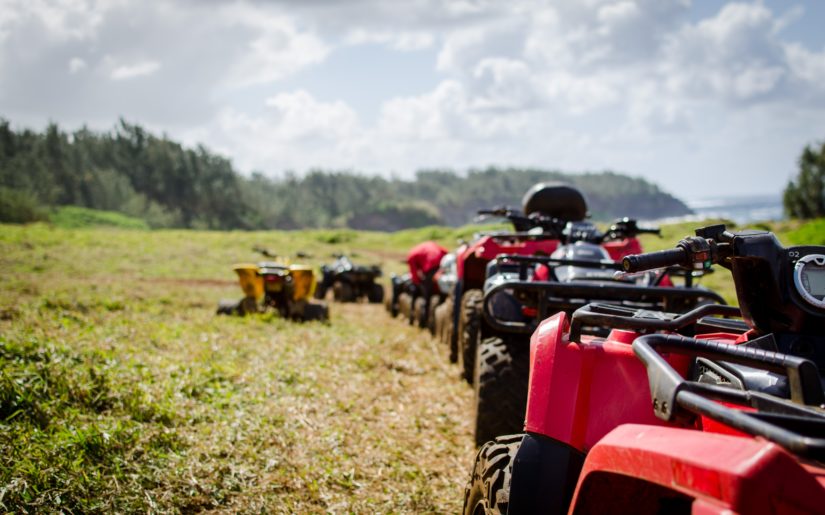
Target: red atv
737,423
546,209
521,291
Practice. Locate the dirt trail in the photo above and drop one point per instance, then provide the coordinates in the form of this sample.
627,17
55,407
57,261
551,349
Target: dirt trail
371,419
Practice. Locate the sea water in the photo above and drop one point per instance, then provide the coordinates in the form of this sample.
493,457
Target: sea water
741,209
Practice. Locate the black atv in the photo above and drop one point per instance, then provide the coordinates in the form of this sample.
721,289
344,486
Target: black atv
350,282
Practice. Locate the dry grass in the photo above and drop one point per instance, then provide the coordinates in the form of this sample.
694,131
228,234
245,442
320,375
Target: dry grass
122,390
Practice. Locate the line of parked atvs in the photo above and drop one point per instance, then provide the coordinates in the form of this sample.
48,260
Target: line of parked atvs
607,381
293,291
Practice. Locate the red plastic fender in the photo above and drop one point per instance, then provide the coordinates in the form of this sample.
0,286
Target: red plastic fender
621,248
580,391
724,474
488,247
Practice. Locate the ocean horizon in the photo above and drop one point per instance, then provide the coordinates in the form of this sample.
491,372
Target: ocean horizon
741,209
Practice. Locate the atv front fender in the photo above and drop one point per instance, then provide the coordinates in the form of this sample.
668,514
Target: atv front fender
637,467
580,391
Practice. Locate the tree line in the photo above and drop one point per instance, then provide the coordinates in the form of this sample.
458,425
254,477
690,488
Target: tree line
150,177
804,196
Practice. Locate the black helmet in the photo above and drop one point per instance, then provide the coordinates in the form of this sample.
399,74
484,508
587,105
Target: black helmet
555,199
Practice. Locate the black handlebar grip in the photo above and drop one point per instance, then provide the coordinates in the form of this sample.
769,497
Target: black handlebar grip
650,230
649,261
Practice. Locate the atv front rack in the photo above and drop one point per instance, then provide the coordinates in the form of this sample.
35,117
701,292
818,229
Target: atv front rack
797,424
518,236
550,297
613,316
526,263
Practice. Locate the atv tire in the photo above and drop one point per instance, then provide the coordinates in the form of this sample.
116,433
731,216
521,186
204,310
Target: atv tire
471,304
420,312
434,303
443,321
376,294
316,311
247,306
228,307
501,383
391,303
448,329
488,492
342,292
405,305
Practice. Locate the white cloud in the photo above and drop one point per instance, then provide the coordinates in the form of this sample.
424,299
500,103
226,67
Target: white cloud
806,66
404,40
504,84
131,71
62,20
623,85
76,65
278,49
440,115
734,56
574,83
207,52
293,129
298,115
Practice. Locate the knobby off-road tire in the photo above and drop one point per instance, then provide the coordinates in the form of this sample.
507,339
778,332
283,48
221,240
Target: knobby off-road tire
448,331
227,307
488,492
405,305
431,322
391,303
471,304
420,312
438,322
247,306
501,383
313,311
443,327
343,292
376,294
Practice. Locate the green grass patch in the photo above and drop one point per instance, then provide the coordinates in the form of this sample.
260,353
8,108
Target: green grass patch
810,233
74,217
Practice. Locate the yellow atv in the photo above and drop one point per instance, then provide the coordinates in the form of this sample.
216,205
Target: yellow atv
288,288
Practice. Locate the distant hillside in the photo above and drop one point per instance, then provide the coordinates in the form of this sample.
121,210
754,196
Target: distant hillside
609,194
155,179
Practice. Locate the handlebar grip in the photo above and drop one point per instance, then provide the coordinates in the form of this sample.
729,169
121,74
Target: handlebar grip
649,261
650,230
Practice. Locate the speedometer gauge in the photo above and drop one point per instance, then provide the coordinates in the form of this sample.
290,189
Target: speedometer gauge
809,278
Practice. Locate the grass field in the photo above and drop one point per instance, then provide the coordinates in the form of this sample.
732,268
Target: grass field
120,390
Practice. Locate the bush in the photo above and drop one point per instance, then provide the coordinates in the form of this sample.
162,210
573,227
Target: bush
18,207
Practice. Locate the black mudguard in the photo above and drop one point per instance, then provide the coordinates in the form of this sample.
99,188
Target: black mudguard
545,473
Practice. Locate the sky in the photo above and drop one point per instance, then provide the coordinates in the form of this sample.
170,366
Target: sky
704,98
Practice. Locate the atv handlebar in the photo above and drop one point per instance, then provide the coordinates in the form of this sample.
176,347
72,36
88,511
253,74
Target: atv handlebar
524,223
498,211
263,251
628,228
651,260
695,252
